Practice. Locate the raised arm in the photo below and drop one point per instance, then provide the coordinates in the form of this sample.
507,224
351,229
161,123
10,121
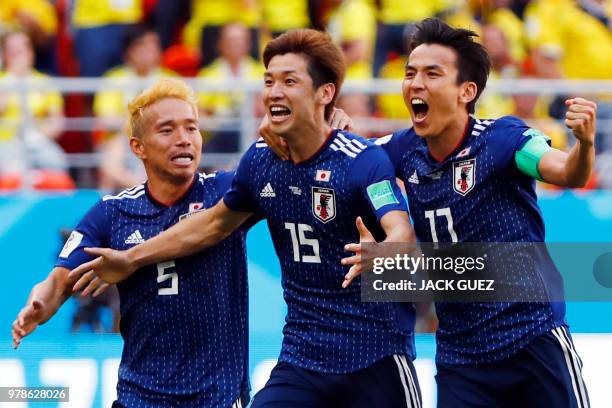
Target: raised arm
573,169
202,230
44,300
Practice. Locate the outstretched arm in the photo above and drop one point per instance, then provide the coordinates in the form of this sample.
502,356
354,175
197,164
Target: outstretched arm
573,169
44,300
202,230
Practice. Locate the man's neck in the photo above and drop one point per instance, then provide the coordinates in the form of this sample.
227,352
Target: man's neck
442,145
308,142
168,193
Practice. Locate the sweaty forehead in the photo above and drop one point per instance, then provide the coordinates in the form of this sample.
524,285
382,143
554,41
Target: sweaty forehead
426,55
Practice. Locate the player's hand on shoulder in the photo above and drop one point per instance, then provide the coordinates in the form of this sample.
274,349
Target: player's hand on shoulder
581,119
340,120
110,266
276,143
362,260
27,321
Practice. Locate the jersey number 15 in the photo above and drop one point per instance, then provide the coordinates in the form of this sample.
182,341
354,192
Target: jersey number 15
298,239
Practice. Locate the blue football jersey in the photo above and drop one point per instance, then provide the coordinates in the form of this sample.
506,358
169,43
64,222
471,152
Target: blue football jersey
477,194
183,321
311,208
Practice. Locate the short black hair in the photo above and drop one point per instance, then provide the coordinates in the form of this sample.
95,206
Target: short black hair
134,33
473,62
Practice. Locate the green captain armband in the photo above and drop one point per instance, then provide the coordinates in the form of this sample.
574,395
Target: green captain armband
528,158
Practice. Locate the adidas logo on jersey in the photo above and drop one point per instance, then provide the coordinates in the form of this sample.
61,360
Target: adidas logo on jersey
135,238
414,179
267,191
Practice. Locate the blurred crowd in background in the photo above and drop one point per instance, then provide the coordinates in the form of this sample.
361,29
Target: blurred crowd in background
222,40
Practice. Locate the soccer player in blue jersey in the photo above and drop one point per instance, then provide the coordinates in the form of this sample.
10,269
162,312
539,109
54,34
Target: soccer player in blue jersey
337,351
183,321
473,180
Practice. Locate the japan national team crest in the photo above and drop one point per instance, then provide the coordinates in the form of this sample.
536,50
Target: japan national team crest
464,176
324,204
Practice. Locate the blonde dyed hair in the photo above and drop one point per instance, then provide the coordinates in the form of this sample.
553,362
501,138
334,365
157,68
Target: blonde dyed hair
161,89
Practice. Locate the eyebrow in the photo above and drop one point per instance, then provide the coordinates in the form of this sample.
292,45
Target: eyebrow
172,121
286,72
427,67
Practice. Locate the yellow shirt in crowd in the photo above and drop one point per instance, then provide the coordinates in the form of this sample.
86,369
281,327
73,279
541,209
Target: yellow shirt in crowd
41,10
225,103
283,15
398,12
561,28
94,13
40,104
114,103
217,13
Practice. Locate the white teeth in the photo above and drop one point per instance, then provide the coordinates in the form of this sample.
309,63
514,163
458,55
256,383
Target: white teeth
183,159
418,101
279,109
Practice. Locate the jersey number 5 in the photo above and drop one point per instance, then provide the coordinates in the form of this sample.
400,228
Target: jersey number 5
163,275
298,238
441,212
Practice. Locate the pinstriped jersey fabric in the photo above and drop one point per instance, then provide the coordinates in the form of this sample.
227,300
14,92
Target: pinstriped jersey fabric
478,195
311,209
184,322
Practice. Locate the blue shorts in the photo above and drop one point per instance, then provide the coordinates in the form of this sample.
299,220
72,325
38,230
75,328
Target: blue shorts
547,373
390,382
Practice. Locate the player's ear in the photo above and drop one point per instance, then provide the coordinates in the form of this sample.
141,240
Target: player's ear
325,93
467,92
137,147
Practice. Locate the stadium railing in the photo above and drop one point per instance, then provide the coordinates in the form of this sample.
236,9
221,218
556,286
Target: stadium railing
246,123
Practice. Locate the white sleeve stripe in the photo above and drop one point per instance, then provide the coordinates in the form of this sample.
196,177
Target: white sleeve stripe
343,150
106,198
383,140
359,144
351,142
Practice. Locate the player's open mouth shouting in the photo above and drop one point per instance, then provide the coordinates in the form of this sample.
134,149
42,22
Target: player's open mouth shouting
419,109
279,113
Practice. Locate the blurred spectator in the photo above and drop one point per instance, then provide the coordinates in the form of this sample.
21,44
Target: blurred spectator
234,63
568,42
209,16
31,122
353,26
282,15
89,312
565,33
39,20
395,17
119,167
358,107
100,26
142,53
500,14
493,105
167,17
